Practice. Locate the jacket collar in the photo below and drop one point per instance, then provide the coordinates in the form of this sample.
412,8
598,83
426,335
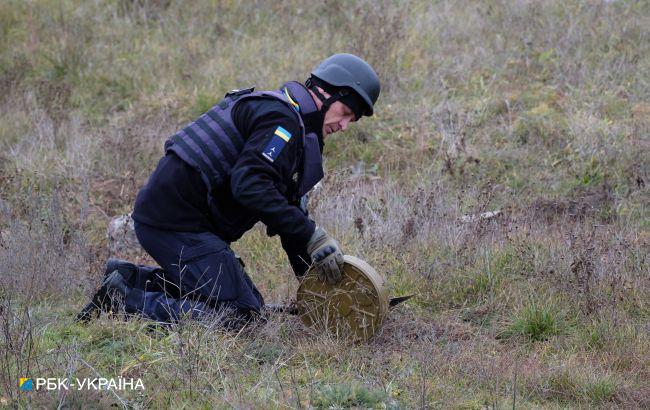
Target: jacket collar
311,116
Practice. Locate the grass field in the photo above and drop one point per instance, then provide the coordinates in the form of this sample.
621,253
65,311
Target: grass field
537,109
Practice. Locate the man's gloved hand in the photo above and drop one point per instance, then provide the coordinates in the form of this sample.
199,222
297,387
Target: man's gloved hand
327,256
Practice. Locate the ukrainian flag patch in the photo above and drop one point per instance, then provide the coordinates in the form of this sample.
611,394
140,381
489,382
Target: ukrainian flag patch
276,145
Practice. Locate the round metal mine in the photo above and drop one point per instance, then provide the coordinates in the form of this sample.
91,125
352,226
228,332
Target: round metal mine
352,309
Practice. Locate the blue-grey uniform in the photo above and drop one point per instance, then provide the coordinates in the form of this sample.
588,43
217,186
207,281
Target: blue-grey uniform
250,158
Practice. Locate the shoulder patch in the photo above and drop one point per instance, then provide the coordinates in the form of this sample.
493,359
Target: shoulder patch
276,145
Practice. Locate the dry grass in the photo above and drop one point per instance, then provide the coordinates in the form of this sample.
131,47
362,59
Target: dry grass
537,109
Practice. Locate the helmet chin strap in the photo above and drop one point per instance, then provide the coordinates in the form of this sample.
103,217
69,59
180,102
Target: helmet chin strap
317,118
327,101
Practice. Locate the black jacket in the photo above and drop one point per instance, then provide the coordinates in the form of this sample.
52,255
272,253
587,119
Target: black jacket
175,197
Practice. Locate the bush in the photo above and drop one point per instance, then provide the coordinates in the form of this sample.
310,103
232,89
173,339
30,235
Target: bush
534,322
347,395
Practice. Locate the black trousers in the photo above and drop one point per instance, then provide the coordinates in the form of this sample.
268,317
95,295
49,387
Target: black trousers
199,275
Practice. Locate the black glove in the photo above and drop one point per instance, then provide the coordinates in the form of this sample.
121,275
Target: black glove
326,255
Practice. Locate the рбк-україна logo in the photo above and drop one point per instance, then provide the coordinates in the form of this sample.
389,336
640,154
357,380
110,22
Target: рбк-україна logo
26,384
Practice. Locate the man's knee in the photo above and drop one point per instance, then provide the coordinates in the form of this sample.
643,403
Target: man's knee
217,275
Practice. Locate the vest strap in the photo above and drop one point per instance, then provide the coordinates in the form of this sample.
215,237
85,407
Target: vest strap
205,149
227,129
220,143
205,170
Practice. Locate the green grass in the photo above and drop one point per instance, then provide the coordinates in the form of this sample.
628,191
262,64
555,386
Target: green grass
346,395
567,388
534,322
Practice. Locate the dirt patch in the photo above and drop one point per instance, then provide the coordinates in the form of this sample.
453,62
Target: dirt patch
113,196
598,203
403,328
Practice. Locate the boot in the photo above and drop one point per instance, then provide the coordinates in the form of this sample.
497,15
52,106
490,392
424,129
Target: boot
126,269
114,288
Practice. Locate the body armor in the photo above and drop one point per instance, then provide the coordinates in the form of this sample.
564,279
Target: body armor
212,143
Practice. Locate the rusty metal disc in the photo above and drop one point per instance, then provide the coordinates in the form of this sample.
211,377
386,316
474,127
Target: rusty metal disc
352,309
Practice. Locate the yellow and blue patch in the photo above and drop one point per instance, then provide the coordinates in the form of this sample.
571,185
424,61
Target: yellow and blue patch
276,145
291,101
26,384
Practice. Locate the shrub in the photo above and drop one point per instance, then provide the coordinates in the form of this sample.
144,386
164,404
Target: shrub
534,322
568,385
348,395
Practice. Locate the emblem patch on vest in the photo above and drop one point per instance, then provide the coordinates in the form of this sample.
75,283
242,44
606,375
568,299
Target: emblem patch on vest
278,141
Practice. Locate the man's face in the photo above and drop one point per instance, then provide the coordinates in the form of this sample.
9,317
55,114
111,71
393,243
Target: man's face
337,118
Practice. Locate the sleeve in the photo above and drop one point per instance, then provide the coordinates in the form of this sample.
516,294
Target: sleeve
260,177
299,259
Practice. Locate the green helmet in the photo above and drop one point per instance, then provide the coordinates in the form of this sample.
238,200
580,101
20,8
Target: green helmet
349,71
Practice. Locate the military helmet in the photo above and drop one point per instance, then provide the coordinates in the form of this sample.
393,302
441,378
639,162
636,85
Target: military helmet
349,71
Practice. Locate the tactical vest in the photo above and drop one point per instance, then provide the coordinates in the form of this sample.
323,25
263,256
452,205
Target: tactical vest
212,143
